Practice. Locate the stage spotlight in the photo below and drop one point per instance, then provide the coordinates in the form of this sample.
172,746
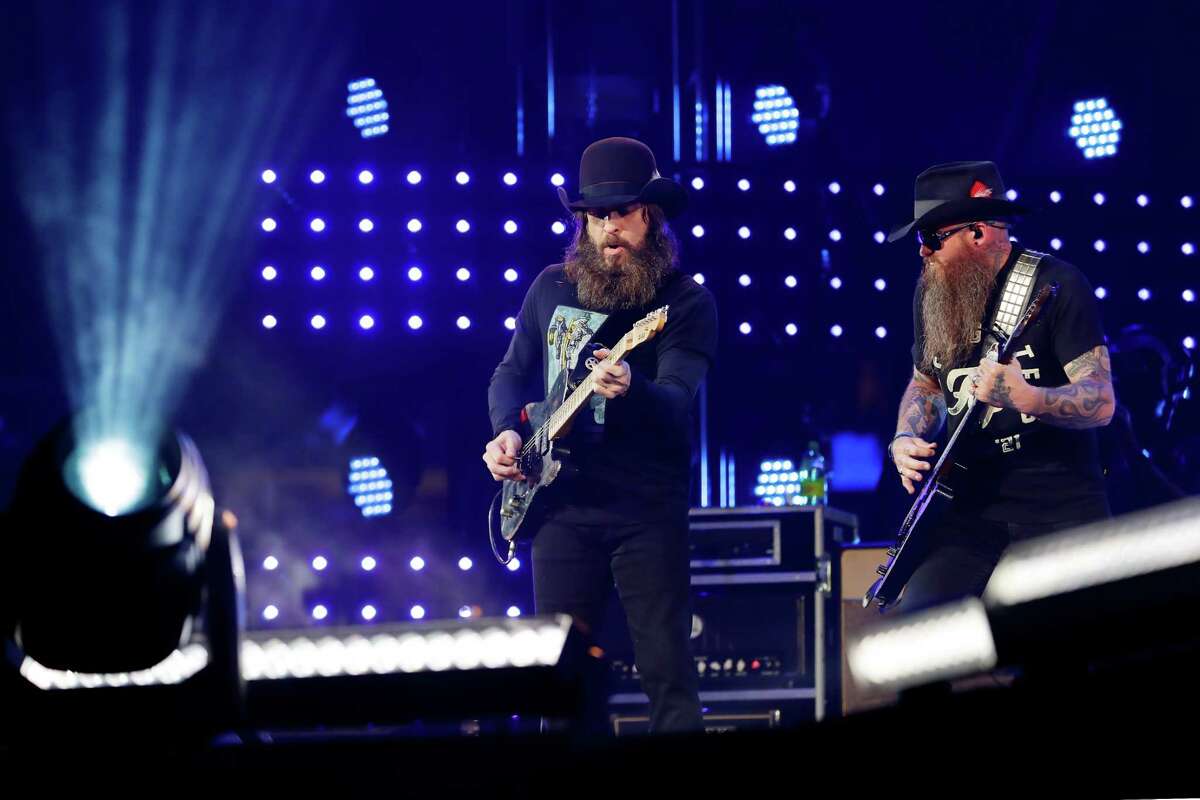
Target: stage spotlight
776,115
745,328
366,176
881,332
510,179
317,321
697,183
510,323
268,176
462,226
366,322
1143,294
368,612
463,323
270,563
835,282
557,179
317,225
790,281
744,280
317,176
462,178
698,231
789,186
269,224
1189,296
1056,196
463,274
510,227
1143,247
368,563
835,187
1101,293
1099,245
1143,200
320,612
511,275
1186,201
744,185
366,225
269,273
465,563
513,612
414,225
416,564
791,329
699,278
317,273
878,189
880,284
1095,128
789,234
115,558
1056,243
558,228
367,108
417,612
835,235
366,274
1189,343
836,331
371,487
415,274
1187,248
270,612
415,322
269,321
413,177
319,563
880,237
1098,198
744,232
514,565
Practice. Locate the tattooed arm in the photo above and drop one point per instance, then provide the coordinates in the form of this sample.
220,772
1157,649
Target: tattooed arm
923,408
1086,402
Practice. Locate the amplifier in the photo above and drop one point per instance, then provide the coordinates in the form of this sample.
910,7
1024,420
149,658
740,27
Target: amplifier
714,722
765,613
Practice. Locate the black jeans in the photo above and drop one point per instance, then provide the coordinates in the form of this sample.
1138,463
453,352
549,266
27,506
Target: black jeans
963,551
574,567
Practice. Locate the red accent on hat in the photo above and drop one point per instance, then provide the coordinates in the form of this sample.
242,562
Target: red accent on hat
980,189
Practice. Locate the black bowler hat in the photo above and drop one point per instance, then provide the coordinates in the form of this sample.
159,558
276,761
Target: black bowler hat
618,171
961,191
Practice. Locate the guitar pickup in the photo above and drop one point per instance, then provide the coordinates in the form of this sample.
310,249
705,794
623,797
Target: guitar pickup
945,491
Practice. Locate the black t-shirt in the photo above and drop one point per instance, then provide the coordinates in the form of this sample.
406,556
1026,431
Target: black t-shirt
1021,469
634,452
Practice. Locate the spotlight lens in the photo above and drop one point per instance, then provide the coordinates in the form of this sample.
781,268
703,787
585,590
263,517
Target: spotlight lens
462,226
463,323
510,323
413,177
699,278
835,235
879,189
791,329
414,225
318,273
513,611
416,563
836,330
462,178
366,322
317,321
268,176
110,475
365,177
417,612
744,232
415,322
1101,292
835,187
368,563
790,281
514,565
835,282
745,328
320,612
270,613
744,185
510,179
269,321
880,284
366,273
697,183
510,275
319,563
697,231
270,563
365,225
744,280
880,237
317,225
463,274
414,274
465,563
510,227
789,186
368,612
316,176
557,179
269,273
558,227
268,225
881,332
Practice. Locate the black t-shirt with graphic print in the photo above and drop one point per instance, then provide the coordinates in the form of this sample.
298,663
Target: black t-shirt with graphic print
1023,470
633,453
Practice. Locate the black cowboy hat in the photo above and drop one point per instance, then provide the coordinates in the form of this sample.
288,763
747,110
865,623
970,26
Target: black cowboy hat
961,191
618,171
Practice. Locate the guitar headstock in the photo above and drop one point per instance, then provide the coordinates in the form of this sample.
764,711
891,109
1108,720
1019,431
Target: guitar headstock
646,328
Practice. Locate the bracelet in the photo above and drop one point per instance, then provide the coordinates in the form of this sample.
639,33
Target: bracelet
893,441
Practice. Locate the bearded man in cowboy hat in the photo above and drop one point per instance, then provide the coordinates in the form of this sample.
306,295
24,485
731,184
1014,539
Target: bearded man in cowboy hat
624,517
1034,464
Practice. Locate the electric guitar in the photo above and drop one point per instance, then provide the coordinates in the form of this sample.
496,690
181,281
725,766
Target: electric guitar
937,492
545,457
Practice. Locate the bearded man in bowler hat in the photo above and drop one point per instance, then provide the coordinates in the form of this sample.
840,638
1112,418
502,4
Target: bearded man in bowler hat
623,518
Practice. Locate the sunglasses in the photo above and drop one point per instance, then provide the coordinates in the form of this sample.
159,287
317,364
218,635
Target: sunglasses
933,239
620,211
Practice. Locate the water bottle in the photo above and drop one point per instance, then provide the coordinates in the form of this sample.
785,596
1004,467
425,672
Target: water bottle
814,482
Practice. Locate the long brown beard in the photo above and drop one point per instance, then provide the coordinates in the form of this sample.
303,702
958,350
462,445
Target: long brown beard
632,284
954,297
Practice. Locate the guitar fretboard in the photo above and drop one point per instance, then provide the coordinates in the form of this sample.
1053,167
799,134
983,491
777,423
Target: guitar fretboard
582,394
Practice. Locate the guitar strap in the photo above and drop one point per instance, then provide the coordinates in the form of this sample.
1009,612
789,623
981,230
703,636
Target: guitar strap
1018,291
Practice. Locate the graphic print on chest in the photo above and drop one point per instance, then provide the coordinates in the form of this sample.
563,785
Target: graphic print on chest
569,332
958,384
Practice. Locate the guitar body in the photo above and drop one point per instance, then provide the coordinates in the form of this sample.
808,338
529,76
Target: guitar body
542,463
937,491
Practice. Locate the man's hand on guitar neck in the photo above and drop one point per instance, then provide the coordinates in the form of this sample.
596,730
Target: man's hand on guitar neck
611,380
500,455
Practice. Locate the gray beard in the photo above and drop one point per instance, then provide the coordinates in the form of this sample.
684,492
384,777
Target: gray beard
952,307
606,288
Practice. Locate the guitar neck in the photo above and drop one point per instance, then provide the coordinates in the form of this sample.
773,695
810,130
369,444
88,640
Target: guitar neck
563,415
